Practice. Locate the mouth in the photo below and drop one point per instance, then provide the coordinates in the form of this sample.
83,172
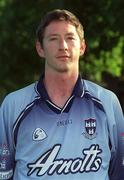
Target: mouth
63,57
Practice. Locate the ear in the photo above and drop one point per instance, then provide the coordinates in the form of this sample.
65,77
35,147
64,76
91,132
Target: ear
39,49
82,48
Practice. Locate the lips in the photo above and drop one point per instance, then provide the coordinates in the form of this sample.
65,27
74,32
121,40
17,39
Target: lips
63,56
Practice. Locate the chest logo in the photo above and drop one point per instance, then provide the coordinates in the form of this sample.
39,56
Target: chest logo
50,164
90,128
39,134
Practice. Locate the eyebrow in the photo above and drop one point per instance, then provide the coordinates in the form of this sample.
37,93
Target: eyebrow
49,35
70,33
55,34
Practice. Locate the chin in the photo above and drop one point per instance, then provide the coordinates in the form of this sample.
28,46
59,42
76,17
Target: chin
63,70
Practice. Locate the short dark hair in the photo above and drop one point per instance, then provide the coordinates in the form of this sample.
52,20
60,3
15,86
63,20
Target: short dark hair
59,15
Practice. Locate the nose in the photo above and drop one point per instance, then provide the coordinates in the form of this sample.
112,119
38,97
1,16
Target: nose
63,44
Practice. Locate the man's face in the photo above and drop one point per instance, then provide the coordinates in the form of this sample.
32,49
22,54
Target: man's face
61,47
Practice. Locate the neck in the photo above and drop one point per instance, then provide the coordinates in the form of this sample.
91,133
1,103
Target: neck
59,87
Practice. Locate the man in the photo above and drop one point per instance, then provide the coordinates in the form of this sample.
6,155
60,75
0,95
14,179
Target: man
61,127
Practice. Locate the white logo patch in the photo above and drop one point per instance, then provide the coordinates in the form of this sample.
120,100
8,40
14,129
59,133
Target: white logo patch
39,134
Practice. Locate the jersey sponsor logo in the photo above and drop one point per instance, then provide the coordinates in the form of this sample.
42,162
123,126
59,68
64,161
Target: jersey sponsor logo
39,134
2,165
90,128
49,164
122,137
4,150
6,175
4,154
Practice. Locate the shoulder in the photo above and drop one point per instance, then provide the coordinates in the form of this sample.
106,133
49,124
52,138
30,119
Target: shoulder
97,90
21,94
106,96
16,101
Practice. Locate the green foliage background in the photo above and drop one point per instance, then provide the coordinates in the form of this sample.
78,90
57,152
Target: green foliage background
104,33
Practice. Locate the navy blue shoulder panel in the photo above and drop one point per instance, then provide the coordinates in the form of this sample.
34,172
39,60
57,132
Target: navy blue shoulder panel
95,100
21,117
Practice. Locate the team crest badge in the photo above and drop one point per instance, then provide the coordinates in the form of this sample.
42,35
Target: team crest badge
90,128
39,134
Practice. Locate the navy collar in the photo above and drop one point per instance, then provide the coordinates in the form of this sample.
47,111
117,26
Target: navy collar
78,90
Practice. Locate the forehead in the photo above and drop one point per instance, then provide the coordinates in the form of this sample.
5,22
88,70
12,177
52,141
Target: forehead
57,27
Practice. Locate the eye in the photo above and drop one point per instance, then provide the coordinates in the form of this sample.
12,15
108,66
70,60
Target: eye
52,38
71,37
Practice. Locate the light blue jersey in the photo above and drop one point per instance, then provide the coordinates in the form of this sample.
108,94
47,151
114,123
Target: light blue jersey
82,141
